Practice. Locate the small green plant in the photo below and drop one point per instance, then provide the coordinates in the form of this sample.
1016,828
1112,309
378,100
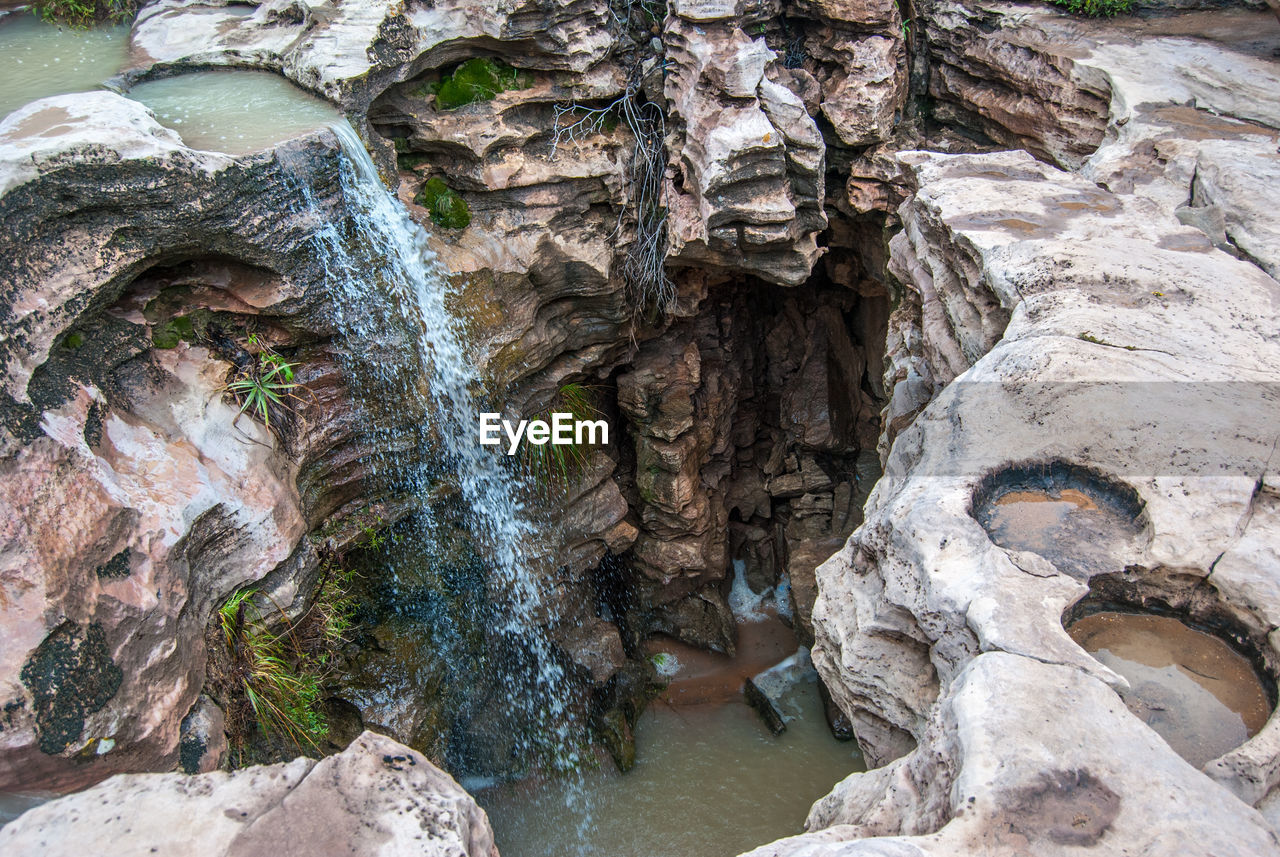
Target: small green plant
478,79
447,208
266,382
1096,8
264,667
332,613
554,466
373,535
82,14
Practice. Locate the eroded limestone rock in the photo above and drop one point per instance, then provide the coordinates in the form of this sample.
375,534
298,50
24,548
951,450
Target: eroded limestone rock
136,496
749,159
1048,319
376,797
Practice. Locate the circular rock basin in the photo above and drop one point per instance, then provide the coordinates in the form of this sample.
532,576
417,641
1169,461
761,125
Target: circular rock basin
1192,688
1080,523
236,112
42,59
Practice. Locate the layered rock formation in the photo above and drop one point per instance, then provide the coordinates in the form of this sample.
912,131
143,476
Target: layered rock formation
376,797
746,83
749,182
136,497
1135,244
1055,319
746,431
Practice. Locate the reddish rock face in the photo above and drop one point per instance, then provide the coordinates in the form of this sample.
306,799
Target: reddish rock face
747,421
135,494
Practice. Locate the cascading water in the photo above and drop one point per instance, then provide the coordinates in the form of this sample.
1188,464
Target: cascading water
390,297
407,354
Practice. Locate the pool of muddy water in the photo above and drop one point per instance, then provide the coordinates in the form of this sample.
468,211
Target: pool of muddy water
709,781
1065,525
236,112
231,111
42,59
1192,688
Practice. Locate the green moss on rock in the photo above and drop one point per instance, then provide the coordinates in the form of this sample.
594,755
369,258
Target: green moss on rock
447,208
479,79
70,675
115,568
1096,8
168,334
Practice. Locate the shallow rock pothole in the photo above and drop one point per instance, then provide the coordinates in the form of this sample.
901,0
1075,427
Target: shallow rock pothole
1196,691
1078,520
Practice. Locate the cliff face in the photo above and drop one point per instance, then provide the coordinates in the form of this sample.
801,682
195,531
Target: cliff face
171,500
1061,319
135,498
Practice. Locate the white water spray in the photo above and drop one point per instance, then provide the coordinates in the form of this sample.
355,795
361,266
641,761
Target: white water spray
386,285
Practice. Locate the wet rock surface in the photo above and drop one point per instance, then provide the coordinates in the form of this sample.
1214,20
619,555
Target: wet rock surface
1187,685
1051,316
376,797
162,498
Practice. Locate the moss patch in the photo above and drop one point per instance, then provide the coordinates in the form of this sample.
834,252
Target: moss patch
169,333
115,568
190,751
447,208
1096,8
478,79
70,675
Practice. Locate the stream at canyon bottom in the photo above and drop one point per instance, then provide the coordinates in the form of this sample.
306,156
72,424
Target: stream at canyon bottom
709,781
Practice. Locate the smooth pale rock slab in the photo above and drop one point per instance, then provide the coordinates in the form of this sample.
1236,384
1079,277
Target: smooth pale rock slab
1056,316
1242,179
87,127
1106,784
350,51
377,797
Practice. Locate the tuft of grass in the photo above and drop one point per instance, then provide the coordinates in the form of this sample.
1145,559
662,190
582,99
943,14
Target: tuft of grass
1096,8
265,383
553,467
83,14
478,79
272,681
264,666
447,208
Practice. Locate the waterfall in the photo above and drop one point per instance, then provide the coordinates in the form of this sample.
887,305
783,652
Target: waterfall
389,293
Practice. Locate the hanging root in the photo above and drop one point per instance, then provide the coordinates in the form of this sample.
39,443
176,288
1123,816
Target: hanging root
644,261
